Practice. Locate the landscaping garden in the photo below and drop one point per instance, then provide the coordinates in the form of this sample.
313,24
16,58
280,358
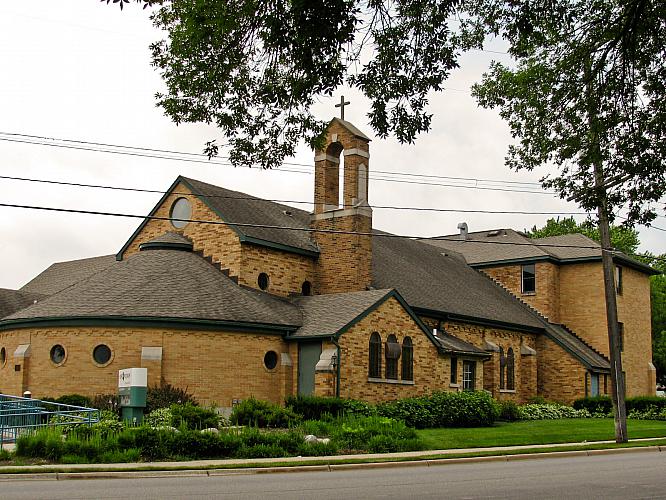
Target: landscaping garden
177,428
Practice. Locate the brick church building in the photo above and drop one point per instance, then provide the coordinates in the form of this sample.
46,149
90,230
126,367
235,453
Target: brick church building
232,296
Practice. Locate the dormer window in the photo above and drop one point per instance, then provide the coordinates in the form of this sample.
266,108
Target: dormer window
528,278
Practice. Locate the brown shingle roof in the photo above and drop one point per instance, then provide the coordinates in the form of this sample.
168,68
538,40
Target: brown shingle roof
60,275
427,279
164,284
15,300
234,206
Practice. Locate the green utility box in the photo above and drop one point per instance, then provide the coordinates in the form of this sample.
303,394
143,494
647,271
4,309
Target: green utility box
132,388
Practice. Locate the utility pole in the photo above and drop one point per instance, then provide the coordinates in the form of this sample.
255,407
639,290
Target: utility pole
617,377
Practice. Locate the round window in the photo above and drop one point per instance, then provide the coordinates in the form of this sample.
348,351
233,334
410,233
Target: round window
102,354
3,356
57,354
181,209
306,288
262,281
270,359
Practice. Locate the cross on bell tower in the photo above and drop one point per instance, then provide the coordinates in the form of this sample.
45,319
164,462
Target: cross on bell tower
342,105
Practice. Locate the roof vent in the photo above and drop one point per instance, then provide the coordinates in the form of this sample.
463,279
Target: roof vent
463,230
288,212
496,232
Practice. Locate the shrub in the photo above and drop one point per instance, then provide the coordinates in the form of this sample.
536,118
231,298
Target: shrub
74,400
165,395
263,414
194,417
443,409
537,400
595,405
107,402
508,411
5,455
550,411
645,403
652,413
161,417
317,407
357,433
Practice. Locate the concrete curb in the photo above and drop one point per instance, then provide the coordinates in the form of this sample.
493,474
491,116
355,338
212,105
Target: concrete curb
63,476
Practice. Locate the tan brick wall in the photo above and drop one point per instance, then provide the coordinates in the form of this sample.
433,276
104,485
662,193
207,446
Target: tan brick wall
583,310
524,368
546,298
431,370
345,261
561,377
286,271
214,366
217,241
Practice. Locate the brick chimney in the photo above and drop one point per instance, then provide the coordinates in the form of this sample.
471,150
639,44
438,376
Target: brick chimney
345,260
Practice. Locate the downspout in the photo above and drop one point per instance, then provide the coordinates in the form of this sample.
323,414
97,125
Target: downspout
337,369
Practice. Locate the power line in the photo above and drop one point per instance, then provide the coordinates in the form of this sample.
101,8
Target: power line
253,198
288,228
382,175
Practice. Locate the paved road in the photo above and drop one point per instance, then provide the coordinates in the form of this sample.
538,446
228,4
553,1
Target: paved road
634,475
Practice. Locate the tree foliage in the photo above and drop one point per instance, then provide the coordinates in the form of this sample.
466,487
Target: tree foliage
254,69
588,90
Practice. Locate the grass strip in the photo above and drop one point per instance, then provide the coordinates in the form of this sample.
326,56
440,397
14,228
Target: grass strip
310,462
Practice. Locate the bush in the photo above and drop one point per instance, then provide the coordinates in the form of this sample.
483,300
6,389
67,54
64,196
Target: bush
263,414
508,411
364,433
317,407
550,411
194,417
161,417
596,405
443,409
652,413
107,402
646,403
165,395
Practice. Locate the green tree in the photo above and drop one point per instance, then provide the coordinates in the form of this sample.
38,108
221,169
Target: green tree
586,97
255,68
624,239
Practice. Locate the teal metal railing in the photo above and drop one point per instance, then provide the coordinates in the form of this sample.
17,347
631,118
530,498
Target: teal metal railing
20,415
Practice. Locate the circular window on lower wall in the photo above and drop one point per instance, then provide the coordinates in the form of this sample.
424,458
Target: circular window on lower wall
102,355
58,354
271,360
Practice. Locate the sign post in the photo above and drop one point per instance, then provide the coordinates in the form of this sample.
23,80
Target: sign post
132,388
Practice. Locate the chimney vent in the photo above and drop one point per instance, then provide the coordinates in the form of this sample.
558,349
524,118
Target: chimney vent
463,230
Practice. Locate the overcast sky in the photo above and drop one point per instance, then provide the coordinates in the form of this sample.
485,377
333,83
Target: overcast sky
80,70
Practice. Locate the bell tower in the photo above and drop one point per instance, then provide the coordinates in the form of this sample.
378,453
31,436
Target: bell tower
345,259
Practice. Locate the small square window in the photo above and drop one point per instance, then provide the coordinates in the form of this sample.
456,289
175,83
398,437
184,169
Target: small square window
528,278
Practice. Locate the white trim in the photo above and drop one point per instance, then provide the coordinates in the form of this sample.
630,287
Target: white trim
356,151
330,158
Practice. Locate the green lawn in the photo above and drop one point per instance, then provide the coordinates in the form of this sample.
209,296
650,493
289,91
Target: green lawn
538,432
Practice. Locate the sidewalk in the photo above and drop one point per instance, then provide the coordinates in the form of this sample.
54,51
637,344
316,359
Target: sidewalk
301,464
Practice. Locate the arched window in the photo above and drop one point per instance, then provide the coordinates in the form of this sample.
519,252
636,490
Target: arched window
392,355
407,359
510,379
375,354
502,361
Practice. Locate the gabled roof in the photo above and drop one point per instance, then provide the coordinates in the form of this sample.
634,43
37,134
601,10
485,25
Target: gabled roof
350,127
507,246
331,314
165,285
15,300
234,206
432,281
61,275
